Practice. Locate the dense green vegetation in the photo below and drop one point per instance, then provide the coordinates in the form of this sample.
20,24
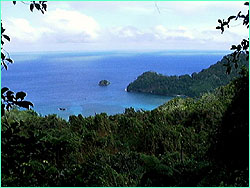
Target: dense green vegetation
185,142
195,85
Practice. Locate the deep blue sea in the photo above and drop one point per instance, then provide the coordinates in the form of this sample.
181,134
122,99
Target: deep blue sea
70,79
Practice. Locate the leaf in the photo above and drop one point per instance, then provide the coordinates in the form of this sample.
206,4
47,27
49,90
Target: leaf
10,60
37,6
2,56
239,47
10,95
6,37
231,17
24,104
2,30
31,7
4,89
246,3
44,7
219,20
14,2
222,30
245,47
218,27
20,95
233,47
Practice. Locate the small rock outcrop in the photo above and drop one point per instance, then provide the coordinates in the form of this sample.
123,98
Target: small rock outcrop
104,83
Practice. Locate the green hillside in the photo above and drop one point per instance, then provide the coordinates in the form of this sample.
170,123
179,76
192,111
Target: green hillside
185,142
195,85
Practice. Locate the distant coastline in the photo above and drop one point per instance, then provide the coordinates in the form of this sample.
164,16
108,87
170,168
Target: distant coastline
185,85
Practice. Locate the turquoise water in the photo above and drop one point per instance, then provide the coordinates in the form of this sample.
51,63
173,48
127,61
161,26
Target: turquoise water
70,79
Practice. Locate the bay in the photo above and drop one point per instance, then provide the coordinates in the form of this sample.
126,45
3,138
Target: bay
70,80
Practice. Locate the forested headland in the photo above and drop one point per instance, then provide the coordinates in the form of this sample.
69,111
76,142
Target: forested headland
185,85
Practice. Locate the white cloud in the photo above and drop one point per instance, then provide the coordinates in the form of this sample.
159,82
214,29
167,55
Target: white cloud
126,32
22,30
72,23
56,26
177,37
162,32
126,24
157,33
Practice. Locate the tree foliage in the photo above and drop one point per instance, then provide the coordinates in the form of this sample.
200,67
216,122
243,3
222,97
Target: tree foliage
38,5
177,144
5,57
243,47
8,97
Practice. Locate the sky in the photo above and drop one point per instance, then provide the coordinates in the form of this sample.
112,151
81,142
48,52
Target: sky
122,25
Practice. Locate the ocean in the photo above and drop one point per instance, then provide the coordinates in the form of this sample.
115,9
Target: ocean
70,80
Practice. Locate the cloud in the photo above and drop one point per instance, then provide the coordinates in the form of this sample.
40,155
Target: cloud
72,23
162,32
21,29
58,26
158,33
175,38
126,32
215,36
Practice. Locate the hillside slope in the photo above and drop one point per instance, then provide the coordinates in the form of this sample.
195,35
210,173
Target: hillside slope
195,85
183,143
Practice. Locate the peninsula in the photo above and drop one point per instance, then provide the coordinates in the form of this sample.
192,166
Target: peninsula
187,85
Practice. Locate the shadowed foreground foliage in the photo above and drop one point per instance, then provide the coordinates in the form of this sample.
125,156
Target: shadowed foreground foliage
185,142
